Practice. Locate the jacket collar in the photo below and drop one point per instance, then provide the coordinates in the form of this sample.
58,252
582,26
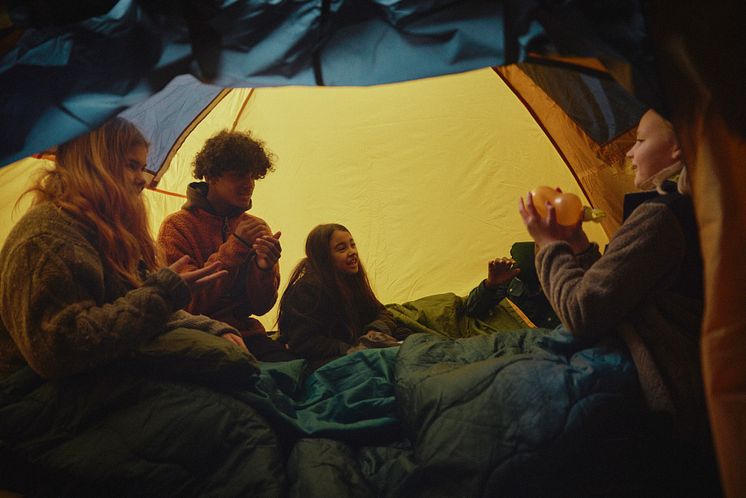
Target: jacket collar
197,199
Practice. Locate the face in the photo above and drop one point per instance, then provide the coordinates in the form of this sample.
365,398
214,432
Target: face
232,190
344,252
655,148
137,159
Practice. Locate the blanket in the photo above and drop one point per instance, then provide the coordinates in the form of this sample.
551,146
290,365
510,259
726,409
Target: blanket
444,315
528,412
500,411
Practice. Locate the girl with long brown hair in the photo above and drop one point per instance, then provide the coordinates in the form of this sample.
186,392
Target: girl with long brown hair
329,308
81,283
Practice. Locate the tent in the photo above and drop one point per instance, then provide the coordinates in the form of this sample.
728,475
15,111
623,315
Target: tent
426,174
695,63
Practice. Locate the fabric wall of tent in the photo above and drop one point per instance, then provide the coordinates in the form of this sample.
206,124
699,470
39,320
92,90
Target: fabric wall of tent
58,82
426,174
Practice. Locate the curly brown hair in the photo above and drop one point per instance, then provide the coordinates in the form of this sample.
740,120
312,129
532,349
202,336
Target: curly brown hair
233,151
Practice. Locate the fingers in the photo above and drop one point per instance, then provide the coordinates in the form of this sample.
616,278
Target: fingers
528,210
238,341
181,263
251,229
212,277
268,250
501,262
194,275
551,218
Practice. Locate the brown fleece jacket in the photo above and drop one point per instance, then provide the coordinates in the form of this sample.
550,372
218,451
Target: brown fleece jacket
64,311
641,289
195,230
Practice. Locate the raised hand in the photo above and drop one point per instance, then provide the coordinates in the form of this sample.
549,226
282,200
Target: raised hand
500,271
194,279
268,250
546,230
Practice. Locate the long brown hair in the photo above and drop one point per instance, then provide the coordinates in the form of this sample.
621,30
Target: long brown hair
89,182
352,293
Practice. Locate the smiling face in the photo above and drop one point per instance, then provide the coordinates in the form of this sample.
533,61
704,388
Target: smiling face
231,191
344,252
655,148
136,159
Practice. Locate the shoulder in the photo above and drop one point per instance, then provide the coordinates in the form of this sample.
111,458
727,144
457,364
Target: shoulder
305,286
306,291
649,214
47,238
181,217
48,221
652,232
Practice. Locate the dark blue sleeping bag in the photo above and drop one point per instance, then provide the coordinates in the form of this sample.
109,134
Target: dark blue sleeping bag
526,412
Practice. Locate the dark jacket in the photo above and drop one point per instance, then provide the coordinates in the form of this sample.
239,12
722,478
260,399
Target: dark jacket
533,304
314,326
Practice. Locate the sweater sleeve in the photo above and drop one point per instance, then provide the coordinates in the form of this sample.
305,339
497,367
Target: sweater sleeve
639,259
307,324
481,299
261,288
183,319
55,315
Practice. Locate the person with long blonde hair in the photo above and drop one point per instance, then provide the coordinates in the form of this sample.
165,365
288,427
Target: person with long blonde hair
646,287
81,283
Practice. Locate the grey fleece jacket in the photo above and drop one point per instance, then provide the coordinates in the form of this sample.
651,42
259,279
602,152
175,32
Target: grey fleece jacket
634,290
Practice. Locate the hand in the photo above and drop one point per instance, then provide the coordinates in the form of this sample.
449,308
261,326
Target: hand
251,229
500,271
547,230
376,339
268,250
194,279
235,339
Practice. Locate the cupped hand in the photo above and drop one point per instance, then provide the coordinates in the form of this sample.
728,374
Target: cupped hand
547,230
251,229
500,271
268,250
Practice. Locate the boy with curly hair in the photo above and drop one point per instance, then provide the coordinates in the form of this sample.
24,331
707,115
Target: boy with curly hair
213,226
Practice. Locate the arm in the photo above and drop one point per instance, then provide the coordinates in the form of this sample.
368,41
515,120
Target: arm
176,239
306,323
261,288
52,306
646,249
386,324
481,299
493,289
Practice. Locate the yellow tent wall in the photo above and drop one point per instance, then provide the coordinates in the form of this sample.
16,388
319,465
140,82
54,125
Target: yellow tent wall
426,174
